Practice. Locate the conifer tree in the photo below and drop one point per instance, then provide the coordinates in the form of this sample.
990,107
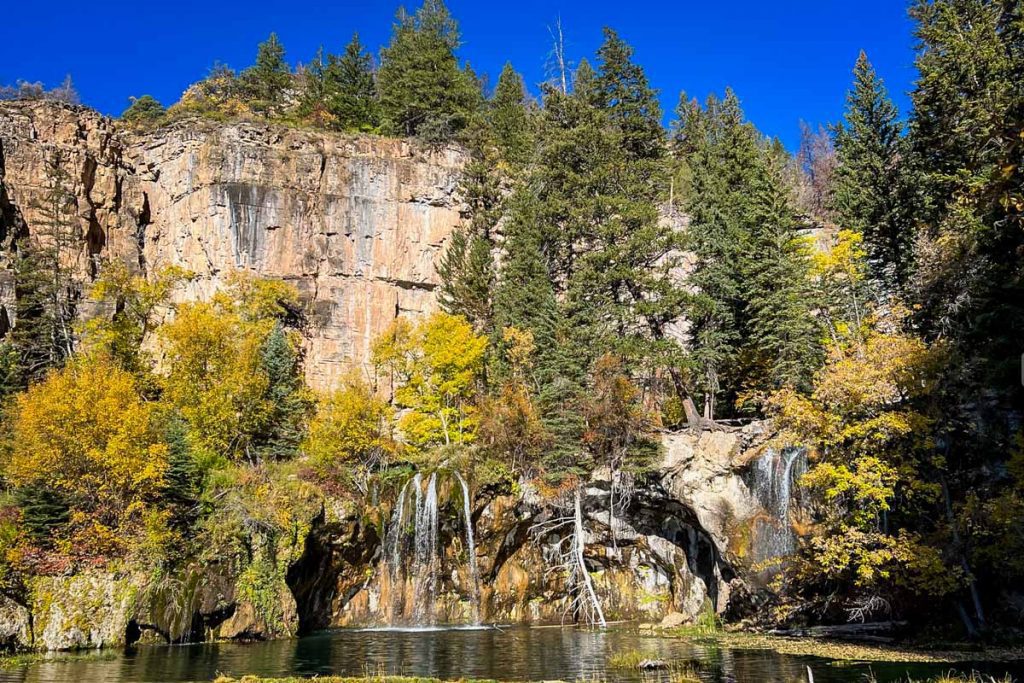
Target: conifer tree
46,286
268,79
423,92
351,93
783,333
867,190
723,158
509,118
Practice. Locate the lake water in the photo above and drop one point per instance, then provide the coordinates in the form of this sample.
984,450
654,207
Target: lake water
512,654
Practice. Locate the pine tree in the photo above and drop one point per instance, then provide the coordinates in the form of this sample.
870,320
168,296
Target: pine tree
723,158
351,93
868,179
510,119
268,79
783,334
423,92
47,289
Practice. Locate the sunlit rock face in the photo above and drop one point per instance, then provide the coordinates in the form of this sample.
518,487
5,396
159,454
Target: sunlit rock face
357,223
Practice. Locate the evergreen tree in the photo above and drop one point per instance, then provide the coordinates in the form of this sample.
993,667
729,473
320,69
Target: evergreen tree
467,277
46,287
868,179
267,81
965,138
315,90
783,333
351,93
510,119
723,158
423,92
144,111
43,510
282,431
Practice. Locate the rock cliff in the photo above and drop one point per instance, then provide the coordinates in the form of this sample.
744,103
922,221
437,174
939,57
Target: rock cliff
355,222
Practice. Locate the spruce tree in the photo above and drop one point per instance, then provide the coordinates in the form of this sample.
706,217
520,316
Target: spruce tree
866,197
966,151
783,333
282,430
351,93
267,80
510,119
723,158
423,92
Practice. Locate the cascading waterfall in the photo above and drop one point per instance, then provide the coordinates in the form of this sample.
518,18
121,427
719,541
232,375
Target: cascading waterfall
774,475
470,547
426,560
414,580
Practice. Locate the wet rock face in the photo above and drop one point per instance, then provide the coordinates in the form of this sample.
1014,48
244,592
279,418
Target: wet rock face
355,222
678,543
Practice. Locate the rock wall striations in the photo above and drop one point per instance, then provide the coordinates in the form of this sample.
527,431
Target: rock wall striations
355,222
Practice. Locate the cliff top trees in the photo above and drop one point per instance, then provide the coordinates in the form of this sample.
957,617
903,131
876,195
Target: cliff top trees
143,111
351,97
422,90
268,79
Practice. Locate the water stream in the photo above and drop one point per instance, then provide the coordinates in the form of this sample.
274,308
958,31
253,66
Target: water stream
414,560
474,575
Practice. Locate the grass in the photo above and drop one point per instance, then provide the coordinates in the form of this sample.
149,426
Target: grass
842,650
14,661
706,625
628,659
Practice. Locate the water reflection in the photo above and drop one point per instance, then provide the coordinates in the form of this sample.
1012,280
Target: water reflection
516,654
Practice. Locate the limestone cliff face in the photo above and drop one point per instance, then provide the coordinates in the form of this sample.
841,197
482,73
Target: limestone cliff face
355,222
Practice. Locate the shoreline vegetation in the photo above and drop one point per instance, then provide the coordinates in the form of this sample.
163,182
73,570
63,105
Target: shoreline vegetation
829,648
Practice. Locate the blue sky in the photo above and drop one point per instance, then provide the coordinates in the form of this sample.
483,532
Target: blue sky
788,60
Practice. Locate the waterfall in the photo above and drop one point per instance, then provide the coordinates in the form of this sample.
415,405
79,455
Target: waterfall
425,564
470,548
414,529
774,475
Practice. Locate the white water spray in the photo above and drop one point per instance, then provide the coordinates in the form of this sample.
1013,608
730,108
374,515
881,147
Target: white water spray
470,547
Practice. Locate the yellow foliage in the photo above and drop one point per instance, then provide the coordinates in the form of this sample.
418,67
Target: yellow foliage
351,431
86,432
213,376
213,373
868,445
135,302
436,367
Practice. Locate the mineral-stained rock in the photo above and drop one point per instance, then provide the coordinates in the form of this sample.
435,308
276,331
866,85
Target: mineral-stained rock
356,222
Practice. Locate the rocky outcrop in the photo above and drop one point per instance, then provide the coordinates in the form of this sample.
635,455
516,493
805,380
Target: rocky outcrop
356,222
679,544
